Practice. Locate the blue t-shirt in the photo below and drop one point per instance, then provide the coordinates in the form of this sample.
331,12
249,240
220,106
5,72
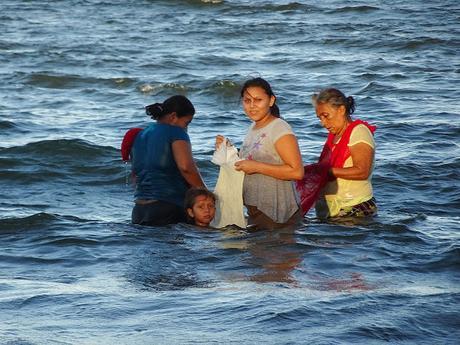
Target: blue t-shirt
157,175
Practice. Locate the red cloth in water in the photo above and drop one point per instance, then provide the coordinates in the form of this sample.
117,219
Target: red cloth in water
127,142
317,175
315,178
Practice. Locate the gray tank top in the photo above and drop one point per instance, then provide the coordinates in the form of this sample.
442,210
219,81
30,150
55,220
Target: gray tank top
276,198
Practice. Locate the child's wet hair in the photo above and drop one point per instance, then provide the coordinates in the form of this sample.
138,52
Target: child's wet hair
191,196
193,193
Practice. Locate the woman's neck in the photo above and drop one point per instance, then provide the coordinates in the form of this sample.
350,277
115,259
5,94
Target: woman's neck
343,129
265,121
164,121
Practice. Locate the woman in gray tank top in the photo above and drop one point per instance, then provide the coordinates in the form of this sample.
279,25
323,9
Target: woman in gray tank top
271,160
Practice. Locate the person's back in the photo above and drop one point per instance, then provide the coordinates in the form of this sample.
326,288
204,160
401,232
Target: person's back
157,175
163,164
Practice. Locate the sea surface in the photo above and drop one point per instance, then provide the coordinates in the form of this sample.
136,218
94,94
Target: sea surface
76,74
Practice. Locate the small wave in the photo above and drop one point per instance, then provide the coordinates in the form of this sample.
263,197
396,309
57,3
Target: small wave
447,260
43,299
62,147
268,7
425,41
226,84
413,218
204,2
161,270
377,88
447,131
53,81
224,88
358,9
335,236
6,125
62,159
31,260
70,241
397,131
35,221
404,41
291,6
382,333
212,1
332,41
157,88
10,45
164,282
9,340
399,126
317,63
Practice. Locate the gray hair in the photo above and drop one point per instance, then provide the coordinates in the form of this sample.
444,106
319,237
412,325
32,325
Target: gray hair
335,98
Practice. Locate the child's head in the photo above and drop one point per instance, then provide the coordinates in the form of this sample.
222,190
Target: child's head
200,206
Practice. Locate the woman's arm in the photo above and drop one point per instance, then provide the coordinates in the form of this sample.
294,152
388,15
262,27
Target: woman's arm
362,155
292,169
182,152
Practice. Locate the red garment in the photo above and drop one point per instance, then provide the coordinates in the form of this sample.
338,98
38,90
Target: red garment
315,178
340,152
127,143
332,156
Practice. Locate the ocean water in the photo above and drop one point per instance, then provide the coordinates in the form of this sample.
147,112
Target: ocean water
76,74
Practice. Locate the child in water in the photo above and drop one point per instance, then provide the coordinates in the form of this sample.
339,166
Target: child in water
200,206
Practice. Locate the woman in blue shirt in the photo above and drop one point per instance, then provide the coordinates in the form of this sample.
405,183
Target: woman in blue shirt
163,164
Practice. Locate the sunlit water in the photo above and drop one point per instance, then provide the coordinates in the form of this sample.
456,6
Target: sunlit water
75,75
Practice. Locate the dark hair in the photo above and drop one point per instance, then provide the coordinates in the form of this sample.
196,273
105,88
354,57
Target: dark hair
178,104
335,98
195,192
191,196
262,83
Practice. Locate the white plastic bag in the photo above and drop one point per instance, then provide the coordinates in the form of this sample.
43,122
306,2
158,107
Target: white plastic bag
225,153
229,188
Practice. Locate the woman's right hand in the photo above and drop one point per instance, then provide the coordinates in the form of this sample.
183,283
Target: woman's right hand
219,140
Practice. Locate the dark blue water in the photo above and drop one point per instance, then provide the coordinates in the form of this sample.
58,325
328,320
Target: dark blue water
75,75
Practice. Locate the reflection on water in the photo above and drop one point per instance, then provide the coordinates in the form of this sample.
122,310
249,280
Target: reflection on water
355,282
280,256
275,256
317,256
272,255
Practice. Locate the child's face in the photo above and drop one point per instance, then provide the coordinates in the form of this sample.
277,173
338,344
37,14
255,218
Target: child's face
203,210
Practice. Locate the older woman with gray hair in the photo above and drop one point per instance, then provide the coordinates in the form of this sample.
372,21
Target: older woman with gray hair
349,151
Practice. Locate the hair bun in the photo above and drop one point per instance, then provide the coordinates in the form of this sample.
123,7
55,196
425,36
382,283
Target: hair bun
351,105
154,110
